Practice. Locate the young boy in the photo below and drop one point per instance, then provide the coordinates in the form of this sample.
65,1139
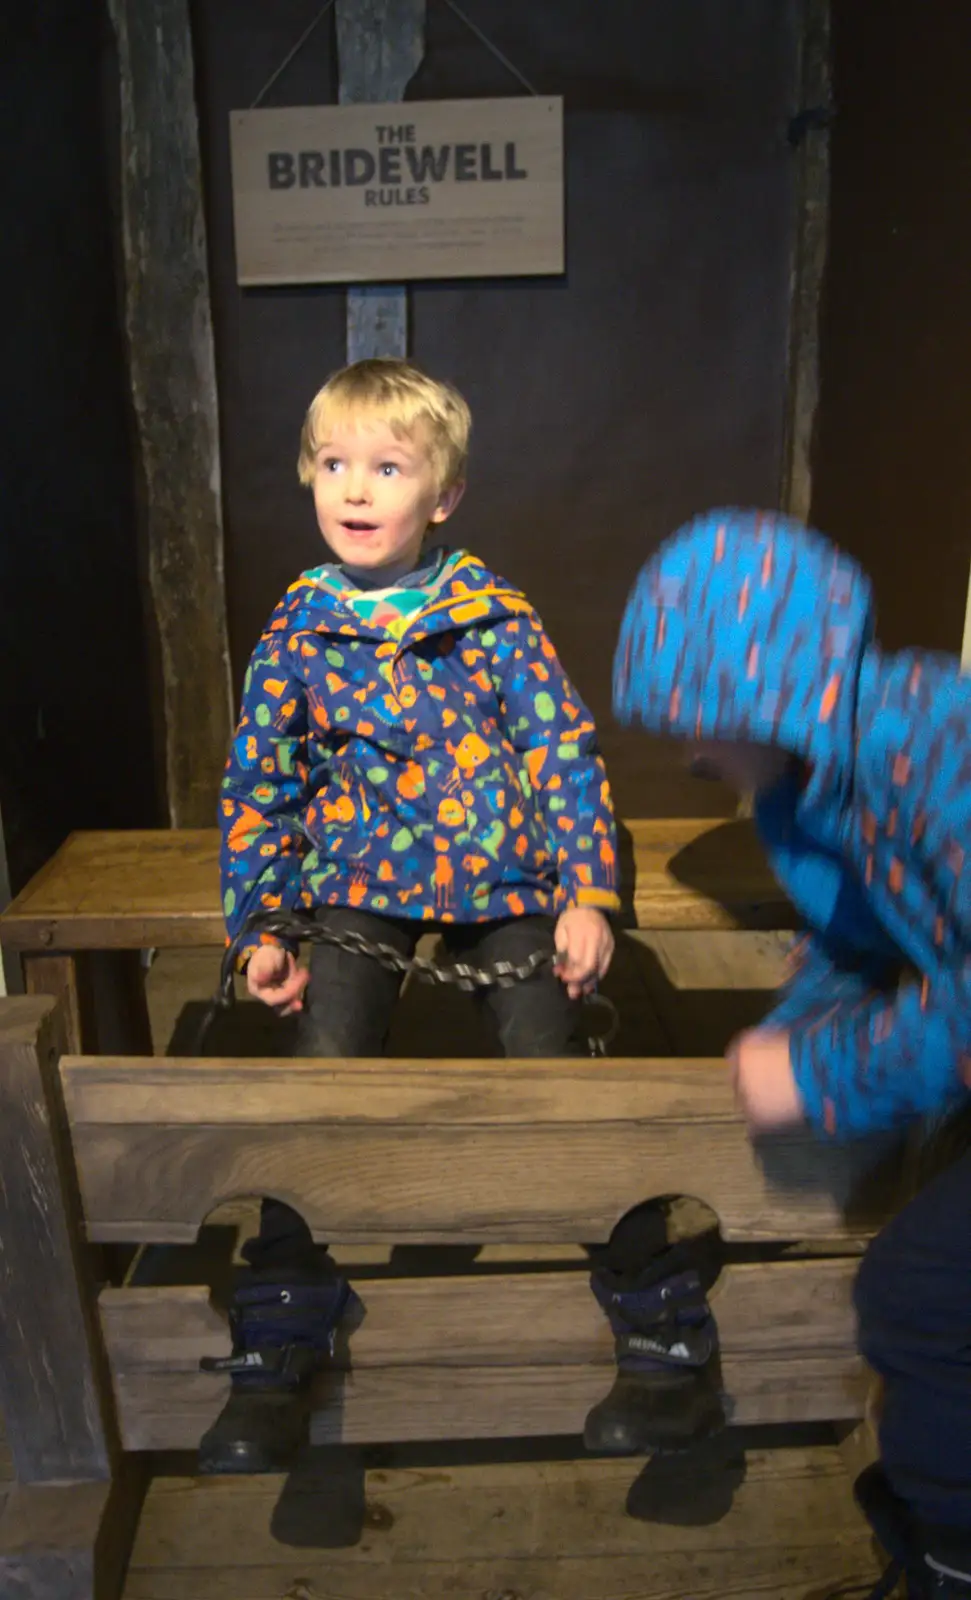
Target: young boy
410,756
752,637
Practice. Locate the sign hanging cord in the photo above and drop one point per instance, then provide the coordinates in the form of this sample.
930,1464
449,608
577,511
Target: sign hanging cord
473,28
281,69
483,38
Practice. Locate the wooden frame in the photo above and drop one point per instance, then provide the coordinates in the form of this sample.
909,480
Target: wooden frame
808,263
462,1153
66,1527
174,401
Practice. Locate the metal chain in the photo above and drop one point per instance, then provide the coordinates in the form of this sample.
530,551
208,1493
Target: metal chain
463,975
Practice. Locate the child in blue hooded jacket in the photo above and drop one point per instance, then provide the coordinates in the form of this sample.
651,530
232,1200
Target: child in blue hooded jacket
410,756
752,638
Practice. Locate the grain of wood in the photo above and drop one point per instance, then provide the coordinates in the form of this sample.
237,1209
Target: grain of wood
457,1182
51,1380
175,403
371,1405
732,1573
711,959
774,1309
61,978
455,1518
69,1541
380,44
125,890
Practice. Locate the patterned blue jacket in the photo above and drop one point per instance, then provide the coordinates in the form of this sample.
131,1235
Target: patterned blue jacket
416,752
749,626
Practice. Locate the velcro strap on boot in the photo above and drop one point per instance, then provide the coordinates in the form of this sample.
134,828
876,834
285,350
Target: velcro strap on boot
271,1314
642,1306
662,1323
280,1332
285,1367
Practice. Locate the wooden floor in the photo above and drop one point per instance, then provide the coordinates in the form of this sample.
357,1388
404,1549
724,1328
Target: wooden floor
772,1523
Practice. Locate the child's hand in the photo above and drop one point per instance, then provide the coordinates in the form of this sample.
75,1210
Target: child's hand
763,1080
584,946
274,977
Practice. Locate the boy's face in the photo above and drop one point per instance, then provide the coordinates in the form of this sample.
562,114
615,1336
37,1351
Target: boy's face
375,494
745,765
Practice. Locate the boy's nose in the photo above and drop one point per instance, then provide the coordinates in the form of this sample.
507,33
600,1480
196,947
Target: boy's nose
355,487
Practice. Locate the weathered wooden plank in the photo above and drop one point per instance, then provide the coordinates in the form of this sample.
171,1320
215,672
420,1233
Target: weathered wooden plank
101,995
160,887
61,978
784,1500
380,44
715,958
173,1092
778,1309
53,1390
171,1410
173,381
508,1151
58,1540
492,1356
728,1573
70,1541
122,889
445,1185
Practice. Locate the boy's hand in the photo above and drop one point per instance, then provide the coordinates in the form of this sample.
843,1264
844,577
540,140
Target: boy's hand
584,946
274,977
763,1080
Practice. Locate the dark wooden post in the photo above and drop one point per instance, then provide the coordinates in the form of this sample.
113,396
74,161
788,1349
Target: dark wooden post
809,262
67,1525
173,382
380,44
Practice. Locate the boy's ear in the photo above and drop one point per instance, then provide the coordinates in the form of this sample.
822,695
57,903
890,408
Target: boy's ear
448,501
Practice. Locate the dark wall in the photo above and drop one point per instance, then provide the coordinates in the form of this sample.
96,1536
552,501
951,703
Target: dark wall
892,468
75,740
645,385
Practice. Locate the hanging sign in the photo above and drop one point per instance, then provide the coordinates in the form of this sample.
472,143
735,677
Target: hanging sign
385,193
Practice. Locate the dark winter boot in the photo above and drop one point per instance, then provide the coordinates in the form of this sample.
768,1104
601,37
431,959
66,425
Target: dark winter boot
283,1333
666,1395
936,1561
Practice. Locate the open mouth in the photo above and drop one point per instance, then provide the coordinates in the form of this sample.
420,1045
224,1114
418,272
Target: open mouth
354,525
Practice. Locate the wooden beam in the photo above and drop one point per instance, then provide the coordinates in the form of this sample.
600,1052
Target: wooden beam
494,1354
126,889
173,382
66,1529
70,1541
171,1411
781,1310
380,44
471,1151
520,1530
53,1404
809,263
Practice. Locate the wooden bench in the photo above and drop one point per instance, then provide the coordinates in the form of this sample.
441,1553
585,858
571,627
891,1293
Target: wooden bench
451,1153
81,921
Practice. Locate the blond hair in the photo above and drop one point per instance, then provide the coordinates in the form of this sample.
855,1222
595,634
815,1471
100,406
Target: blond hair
404,397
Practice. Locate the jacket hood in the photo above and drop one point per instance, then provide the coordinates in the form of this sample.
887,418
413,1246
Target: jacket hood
747,625
458,591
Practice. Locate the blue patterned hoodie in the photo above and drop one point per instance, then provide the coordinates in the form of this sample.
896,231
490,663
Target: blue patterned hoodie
416,751
750,626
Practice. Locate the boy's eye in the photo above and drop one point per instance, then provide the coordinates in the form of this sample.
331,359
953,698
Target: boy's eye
331,464
388,469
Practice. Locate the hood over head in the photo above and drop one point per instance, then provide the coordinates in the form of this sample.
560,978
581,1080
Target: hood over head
748,625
